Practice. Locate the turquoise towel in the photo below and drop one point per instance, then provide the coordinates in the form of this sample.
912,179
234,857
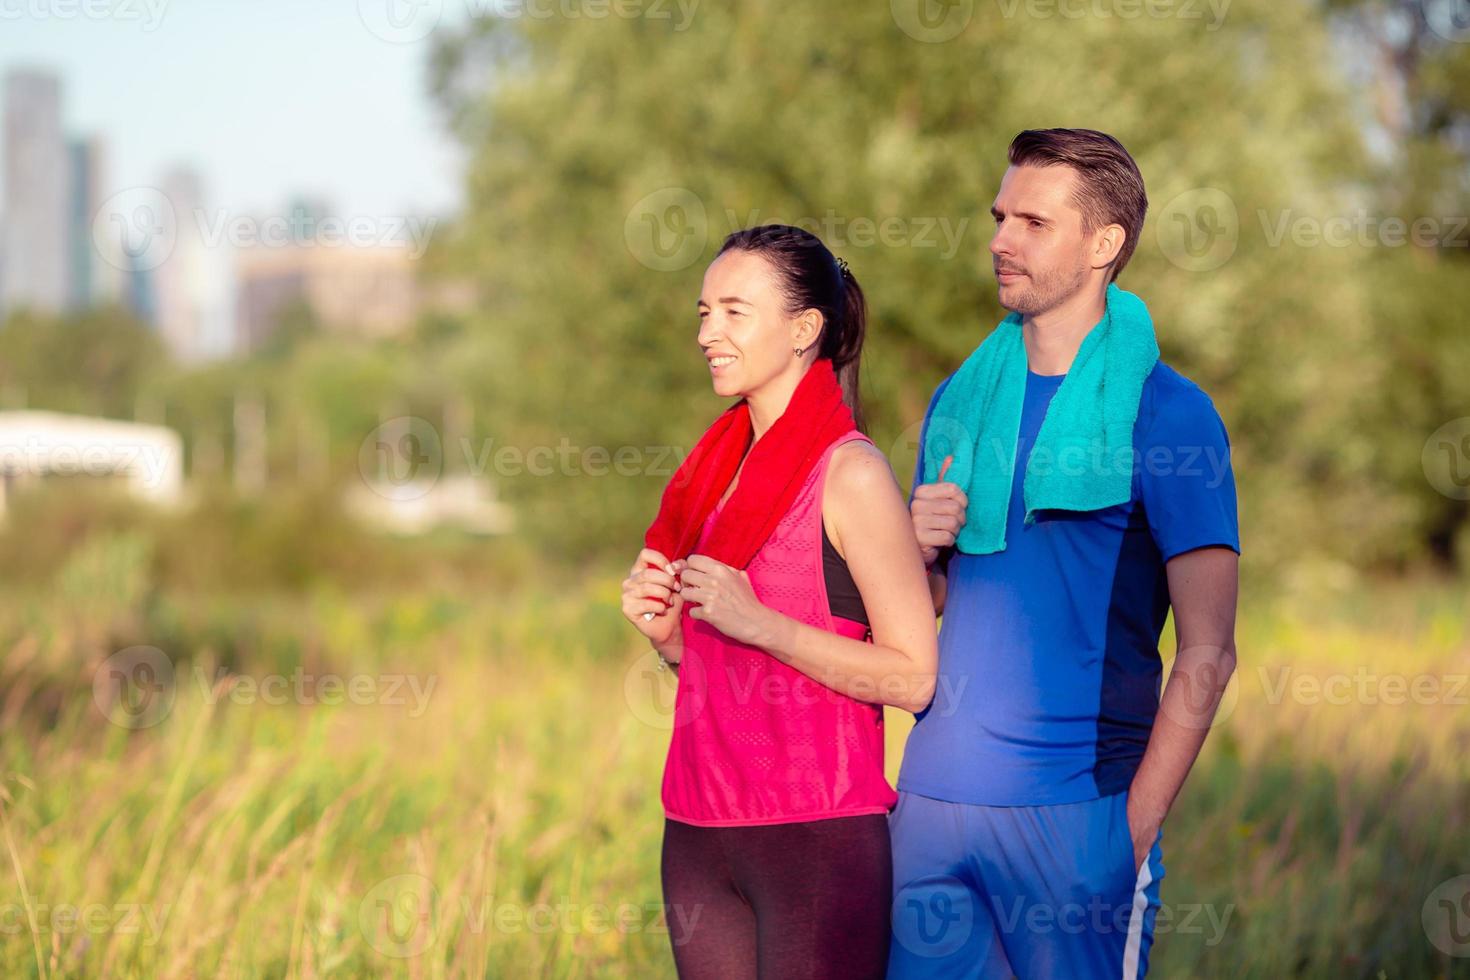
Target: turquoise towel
1083,457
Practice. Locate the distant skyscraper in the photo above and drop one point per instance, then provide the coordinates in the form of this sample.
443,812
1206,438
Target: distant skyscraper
138,294
183,282
93,281
38,260
78,226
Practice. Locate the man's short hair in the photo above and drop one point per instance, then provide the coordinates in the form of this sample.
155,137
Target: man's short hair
1109,186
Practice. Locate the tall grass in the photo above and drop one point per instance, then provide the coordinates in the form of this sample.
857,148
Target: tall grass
487,803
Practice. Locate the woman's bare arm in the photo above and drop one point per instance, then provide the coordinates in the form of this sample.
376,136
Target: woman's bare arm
872,527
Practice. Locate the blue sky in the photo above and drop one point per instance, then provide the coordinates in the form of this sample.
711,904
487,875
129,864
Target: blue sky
266,99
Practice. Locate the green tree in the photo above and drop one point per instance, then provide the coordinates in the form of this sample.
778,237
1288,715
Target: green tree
591,138
95,362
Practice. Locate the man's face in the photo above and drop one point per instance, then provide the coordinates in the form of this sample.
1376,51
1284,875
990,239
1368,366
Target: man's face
1039,250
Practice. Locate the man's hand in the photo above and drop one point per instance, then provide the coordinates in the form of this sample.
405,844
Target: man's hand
1144,829
938,510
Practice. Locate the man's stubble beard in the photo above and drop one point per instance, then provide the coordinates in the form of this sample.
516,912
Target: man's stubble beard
1045,292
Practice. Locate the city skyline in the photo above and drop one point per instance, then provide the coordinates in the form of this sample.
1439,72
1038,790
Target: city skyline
283,100
73,237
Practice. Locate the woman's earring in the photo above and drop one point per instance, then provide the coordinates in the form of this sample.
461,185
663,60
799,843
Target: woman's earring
799,350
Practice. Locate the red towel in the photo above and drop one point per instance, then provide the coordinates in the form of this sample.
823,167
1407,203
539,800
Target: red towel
779,464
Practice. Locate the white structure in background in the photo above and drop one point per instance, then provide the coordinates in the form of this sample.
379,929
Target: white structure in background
150,458
414,507
37,176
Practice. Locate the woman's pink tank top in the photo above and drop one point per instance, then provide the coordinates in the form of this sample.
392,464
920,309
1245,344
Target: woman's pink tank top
756,741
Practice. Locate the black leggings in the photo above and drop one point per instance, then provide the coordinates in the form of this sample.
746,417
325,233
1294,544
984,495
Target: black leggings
793,900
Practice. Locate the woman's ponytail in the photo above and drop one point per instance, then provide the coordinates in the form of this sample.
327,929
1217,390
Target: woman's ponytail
843,342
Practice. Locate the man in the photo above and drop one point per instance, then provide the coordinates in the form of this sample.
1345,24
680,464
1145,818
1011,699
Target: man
1027,835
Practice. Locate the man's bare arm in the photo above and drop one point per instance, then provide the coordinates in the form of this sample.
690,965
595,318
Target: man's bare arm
1203,587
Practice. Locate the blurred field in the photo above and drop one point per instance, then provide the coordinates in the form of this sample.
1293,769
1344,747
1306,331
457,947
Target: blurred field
504,819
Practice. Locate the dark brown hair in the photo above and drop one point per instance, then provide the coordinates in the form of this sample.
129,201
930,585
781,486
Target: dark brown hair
1109,186
811,278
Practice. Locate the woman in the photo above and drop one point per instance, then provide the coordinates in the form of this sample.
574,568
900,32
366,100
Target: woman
782,579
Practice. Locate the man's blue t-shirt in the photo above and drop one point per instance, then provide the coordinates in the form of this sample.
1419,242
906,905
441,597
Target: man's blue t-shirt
1049,666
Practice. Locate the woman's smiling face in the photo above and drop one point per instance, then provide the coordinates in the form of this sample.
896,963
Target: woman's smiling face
744,329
